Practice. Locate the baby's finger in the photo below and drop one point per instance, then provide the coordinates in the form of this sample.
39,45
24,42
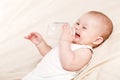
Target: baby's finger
63,27
29,36
72,31
25,37
35,34
66,27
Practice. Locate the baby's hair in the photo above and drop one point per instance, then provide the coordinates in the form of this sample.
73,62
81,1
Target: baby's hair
107,22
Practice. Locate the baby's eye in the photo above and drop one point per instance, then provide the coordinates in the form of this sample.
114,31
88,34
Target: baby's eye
77,23
84,27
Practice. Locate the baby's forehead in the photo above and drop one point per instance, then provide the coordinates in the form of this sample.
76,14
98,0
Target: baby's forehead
94,16
87,18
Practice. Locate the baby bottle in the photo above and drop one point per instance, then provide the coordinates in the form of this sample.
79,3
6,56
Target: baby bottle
54,29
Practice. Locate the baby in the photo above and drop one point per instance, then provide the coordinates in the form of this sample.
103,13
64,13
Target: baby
74,50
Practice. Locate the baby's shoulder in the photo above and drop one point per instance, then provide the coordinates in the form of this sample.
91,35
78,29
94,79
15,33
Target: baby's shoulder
81,47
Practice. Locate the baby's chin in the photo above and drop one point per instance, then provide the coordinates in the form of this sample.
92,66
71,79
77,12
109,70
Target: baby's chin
76,41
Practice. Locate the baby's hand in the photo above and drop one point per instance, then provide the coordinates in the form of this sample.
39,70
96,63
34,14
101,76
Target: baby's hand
67,33
35,38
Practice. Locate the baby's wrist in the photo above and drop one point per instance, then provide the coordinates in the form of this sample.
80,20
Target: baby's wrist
65,41
68,40
39,44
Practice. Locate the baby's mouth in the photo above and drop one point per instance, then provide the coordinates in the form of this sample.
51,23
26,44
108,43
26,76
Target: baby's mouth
77,35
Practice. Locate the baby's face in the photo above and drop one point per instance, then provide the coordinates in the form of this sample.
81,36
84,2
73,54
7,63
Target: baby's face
87,29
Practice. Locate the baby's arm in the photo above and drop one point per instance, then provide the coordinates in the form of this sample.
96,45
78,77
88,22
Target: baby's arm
72,60
39,42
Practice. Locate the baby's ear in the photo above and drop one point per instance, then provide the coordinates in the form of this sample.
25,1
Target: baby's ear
98,40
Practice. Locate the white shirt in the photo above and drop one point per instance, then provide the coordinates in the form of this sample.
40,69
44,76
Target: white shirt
50,68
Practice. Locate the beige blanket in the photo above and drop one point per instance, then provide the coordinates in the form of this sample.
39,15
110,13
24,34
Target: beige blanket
20,17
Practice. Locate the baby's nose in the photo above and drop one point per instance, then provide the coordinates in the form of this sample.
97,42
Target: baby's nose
77,27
